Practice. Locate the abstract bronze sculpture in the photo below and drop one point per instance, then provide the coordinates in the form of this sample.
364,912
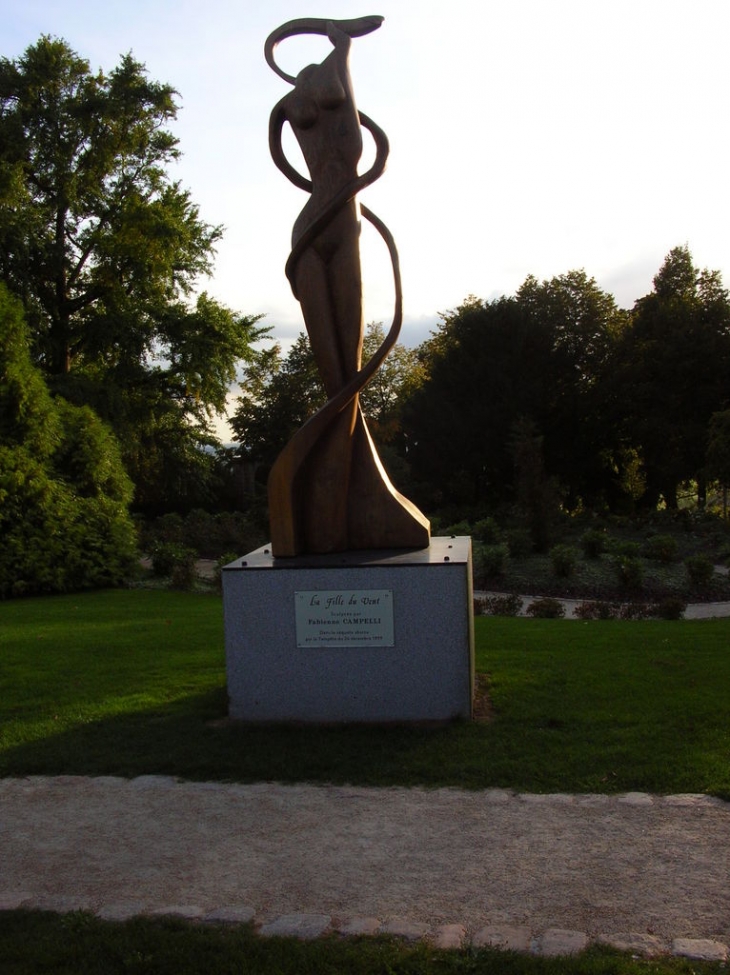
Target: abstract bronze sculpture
328,491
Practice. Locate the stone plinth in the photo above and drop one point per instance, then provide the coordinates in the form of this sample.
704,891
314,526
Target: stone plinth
353,637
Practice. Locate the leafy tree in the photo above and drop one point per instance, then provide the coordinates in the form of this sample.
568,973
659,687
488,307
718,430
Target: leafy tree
718,452
104,250
670,374
279,393
535,358
398,377
64,493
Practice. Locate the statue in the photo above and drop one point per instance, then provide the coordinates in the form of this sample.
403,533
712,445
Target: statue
328,491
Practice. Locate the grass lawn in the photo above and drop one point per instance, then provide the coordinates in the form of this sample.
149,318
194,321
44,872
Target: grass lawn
131,682
80,944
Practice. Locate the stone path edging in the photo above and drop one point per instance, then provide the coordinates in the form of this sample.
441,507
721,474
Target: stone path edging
553,942
61,832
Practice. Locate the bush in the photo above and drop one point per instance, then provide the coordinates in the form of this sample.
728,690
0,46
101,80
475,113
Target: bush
487,530
183,571
593,542
563,558
226,559
637,611
630,572
64,493
699,569
493,559
596,610
670,608
661,548
620,548
507,605
519,542
167,556
546,609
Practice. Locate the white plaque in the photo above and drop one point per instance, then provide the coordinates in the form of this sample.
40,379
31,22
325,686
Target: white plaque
344,618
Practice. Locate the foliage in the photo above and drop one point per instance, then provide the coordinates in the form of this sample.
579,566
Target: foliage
669,376
546,609
699,569
629,571
595,609
279,393
63,490
104,251
208,535
509,604
670,608
535,358
400,375
662,548
593,542
492,560
167,556
564,559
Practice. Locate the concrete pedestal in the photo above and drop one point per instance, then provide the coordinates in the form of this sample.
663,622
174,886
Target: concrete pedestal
354,637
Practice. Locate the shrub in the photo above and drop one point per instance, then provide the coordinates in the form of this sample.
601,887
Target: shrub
487,530
507,605
519,542
183,571
620,548
231,557
458,528
166,556
546,609
494,559
670,608
593,542
64,493
636,611
596,610
630,572
563,558
661,548
699,569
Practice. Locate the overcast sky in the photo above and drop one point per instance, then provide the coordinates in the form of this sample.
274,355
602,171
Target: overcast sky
527,136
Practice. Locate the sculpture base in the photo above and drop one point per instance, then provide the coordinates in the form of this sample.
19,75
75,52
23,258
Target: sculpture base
370,637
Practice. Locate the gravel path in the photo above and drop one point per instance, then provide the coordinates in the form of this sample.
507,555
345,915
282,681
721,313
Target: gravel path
650,873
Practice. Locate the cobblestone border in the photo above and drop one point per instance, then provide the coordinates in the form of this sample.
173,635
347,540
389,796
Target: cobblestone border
552,943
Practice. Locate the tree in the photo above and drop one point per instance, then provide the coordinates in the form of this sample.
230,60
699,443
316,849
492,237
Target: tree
670,374
398,377
64,493
535,358
104,249
279,393
718,452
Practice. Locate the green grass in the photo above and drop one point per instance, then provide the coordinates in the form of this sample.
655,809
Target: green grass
133,682
79,944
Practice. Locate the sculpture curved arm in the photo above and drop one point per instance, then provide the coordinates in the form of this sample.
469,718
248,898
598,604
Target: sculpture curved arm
315,25
276,124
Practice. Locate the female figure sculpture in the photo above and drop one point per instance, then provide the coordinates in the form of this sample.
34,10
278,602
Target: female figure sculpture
328,491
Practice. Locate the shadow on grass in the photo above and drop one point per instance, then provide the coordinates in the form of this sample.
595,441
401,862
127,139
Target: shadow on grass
190,739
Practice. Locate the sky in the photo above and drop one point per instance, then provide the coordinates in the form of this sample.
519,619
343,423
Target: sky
526,137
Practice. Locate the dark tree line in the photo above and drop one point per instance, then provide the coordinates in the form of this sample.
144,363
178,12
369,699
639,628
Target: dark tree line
621,402
554,392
